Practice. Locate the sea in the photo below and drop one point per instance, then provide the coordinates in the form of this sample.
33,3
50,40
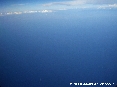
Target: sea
65,48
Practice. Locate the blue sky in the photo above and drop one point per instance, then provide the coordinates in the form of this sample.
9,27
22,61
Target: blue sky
29,6
87,1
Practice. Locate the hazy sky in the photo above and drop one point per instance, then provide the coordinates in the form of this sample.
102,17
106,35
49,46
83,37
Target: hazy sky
85,1
27,5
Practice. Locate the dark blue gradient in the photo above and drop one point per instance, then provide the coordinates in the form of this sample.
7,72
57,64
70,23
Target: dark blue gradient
39,50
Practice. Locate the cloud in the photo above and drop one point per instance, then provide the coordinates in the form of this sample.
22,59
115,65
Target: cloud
24,12
1,14
56,6
109,6
97,1
46,11
81,2
100,1
113,5
68,3
85,4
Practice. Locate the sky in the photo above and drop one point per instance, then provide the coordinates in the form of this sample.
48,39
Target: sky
27,5
96,1
45,6
63,1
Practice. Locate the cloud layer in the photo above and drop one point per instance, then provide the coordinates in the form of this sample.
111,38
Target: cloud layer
80,2
56,6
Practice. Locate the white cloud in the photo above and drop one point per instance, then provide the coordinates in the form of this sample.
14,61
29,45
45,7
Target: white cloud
98,1
1,14
109,6
24,12
80,2
84,4
62,9
113,5
46,11
30,11
68,3
56,6
17,12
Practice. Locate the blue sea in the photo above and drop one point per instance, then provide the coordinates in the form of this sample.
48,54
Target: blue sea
58,48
